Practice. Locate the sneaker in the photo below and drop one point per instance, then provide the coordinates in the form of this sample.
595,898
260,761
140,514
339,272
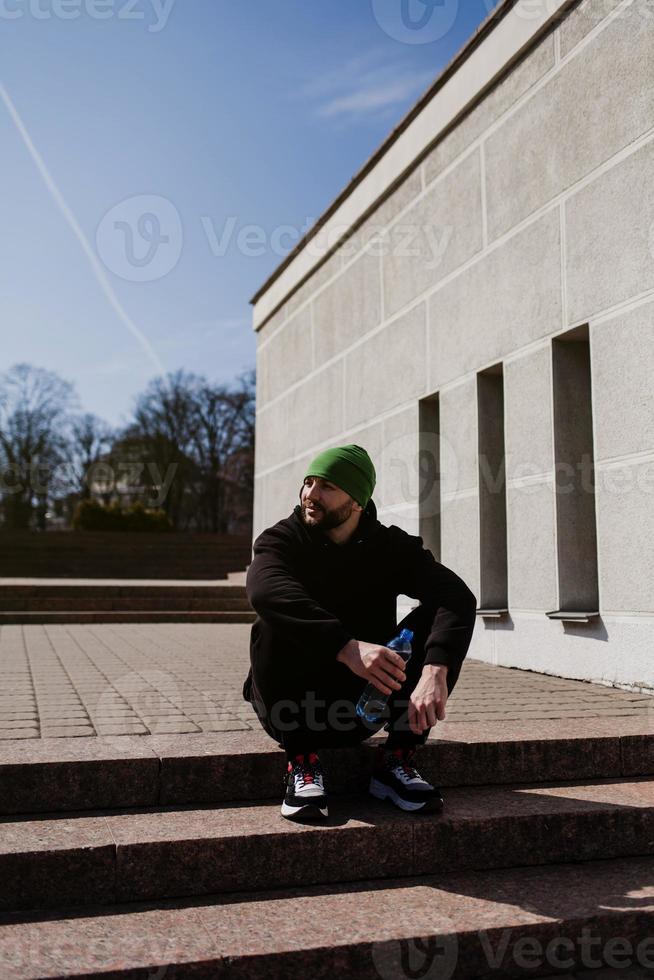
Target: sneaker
305,797
395,778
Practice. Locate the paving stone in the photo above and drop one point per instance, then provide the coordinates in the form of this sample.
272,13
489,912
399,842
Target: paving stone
64,714
200,671
225,726
20,723
164,712
69,731
181,728
123,721
121,729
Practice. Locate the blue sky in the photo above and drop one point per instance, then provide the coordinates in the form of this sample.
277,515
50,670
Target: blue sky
142,138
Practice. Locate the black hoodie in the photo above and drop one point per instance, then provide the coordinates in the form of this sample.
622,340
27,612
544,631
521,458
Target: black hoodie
313,596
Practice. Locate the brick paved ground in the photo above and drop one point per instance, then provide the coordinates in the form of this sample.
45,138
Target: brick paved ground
124,679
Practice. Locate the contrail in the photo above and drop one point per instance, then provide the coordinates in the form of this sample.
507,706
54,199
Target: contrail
96,267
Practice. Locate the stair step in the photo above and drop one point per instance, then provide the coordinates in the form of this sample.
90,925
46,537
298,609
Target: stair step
135,603
523,921
104,590
127,771
17,617
155,854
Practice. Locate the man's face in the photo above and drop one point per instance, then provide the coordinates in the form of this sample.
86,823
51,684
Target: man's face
324,505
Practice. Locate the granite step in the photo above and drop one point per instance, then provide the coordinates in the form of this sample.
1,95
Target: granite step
523,921
157,568
86,773
177,601
17,617
109,589
60,602
158,853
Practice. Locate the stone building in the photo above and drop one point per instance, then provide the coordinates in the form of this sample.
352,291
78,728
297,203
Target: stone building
476,308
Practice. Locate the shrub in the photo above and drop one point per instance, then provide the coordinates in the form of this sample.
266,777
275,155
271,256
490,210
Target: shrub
90,515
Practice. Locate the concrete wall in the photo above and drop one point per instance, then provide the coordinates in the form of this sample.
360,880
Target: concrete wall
532,217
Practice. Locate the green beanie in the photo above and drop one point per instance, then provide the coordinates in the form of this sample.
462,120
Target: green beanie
349,467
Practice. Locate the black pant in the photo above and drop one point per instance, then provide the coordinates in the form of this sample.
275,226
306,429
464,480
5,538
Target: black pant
316,707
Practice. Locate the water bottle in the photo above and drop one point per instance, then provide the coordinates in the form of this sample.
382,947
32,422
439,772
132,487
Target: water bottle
372,702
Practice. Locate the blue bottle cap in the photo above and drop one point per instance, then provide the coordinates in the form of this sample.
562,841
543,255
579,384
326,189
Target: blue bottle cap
406,635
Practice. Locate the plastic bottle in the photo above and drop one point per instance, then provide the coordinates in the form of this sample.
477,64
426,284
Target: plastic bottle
372,703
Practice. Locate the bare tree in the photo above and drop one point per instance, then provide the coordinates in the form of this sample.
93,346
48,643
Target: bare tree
164,422
35,421
204,433
216,436
240,466
91,439
189,449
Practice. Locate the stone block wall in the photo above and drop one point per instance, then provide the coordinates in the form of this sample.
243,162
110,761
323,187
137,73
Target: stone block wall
532,217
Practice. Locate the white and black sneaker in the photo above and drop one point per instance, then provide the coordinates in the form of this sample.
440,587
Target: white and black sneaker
395,778
305,797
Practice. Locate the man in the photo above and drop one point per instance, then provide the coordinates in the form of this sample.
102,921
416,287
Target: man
324,583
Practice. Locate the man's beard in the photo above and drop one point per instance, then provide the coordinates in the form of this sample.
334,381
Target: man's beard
326,520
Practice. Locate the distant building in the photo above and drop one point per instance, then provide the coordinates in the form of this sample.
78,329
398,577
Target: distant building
477,310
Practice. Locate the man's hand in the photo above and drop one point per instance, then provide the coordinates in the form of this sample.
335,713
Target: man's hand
380,665
428,699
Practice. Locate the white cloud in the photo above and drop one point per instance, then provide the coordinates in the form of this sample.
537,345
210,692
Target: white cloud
344,75
365,85
372,96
